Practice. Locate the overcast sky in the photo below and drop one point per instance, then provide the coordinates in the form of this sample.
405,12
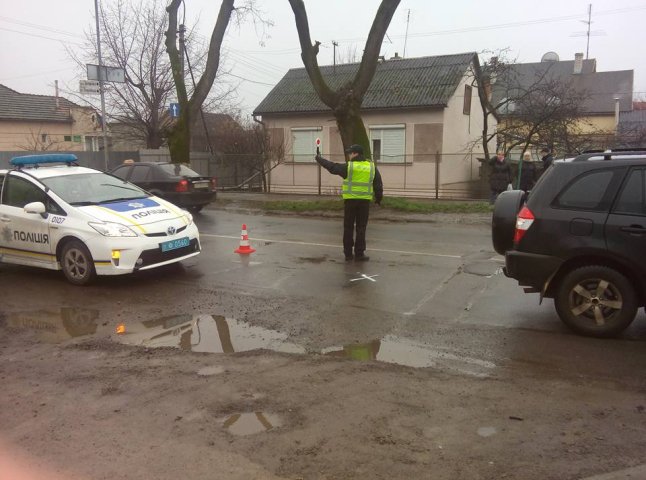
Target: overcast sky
34,33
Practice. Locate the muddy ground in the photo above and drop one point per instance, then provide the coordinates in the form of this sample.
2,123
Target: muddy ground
80,401
92,408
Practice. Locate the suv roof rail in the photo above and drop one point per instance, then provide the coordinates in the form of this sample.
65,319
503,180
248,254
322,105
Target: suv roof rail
609,154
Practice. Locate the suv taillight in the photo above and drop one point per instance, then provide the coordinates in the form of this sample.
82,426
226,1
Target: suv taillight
524,220
182,186
213,183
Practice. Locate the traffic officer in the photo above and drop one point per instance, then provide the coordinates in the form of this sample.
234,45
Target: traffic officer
361,182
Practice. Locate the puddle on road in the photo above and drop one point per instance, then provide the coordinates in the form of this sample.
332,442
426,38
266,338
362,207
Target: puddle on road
217,334
206,334
54,325
241,424
487,431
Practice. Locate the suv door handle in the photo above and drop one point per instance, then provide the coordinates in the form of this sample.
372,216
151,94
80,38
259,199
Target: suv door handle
634,229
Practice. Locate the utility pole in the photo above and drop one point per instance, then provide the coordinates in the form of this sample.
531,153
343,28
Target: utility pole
334,45
101,80
182,45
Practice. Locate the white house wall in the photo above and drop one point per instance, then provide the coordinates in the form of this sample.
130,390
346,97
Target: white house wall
453,132
461,145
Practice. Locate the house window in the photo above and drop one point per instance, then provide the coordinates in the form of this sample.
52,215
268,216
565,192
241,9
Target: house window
466,108
43,137
388,143
67,138
76,139
304,143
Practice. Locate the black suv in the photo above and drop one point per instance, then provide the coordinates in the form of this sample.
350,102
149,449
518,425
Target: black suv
579,237
171,181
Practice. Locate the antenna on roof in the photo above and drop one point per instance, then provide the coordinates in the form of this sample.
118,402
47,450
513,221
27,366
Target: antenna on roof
588,32
406,37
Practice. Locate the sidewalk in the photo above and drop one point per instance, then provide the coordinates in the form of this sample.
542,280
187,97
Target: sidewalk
241,202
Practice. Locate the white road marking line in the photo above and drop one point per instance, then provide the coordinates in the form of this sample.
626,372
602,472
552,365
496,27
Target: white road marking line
429,296
365,277
291,242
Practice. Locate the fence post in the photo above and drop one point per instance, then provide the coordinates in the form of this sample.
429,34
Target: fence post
437,174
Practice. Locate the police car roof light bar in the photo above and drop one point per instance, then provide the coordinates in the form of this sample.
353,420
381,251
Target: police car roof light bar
35,160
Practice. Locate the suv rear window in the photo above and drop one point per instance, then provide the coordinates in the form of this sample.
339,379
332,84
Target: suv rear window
631,198
587,192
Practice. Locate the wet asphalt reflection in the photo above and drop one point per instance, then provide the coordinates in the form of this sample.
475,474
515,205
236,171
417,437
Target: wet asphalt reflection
206,333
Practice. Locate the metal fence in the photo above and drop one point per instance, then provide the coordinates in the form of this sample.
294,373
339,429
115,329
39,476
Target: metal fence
441,176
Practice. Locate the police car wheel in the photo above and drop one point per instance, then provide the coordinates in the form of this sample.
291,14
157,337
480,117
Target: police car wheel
77,263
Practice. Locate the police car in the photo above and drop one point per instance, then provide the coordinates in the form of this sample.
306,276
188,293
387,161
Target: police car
55,214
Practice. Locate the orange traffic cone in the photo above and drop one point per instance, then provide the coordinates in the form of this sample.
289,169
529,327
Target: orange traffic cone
244,247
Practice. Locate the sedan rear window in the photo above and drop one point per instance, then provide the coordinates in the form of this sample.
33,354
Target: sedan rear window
178,170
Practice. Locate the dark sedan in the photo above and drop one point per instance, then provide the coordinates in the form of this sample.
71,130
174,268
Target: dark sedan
174,182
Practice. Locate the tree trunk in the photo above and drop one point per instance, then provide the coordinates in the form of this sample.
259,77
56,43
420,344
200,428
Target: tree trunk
351,126
345,102
179,135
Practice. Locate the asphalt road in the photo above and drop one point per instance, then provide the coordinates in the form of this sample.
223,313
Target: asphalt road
432,298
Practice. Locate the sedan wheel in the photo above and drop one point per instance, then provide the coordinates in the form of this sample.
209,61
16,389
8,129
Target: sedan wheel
596,301
77,263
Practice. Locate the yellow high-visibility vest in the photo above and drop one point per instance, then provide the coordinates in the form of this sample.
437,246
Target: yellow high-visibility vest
358,183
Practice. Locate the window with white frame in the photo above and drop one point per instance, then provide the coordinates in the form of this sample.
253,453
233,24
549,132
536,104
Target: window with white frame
388,143
304,143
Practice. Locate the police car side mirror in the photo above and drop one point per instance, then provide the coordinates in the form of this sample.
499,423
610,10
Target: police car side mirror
36,208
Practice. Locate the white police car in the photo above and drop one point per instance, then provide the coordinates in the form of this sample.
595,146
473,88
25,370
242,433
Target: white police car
86,222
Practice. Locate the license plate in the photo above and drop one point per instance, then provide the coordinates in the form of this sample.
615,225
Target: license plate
175,244
201,185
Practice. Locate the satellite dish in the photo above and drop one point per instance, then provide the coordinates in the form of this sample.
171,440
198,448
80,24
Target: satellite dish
550,57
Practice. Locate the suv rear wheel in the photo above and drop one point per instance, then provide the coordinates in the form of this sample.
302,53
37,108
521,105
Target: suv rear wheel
596,300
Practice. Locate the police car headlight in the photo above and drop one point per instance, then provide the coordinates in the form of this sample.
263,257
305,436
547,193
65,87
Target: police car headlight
109,229
189,218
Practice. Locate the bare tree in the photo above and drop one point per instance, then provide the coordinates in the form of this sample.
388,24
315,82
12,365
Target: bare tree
346,101
179,136
41,142
132,33
545,111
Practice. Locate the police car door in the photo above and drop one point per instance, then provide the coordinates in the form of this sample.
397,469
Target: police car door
24,237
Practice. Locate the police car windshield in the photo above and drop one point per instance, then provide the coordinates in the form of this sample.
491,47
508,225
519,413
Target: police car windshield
92,188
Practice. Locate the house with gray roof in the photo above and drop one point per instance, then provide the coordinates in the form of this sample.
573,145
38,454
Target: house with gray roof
423,118
42,122
604,95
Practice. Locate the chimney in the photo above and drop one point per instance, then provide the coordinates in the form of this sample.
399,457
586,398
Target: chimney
616,113
396,57
578,63
58,102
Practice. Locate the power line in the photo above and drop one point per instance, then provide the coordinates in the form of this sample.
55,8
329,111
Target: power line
39,27
66,42
250,81
504,25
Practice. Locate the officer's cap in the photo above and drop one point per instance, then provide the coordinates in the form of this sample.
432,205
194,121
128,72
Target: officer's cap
354,149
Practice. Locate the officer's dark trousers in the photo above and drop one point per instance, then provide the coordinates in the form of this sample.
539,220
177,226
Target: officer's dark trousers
355,213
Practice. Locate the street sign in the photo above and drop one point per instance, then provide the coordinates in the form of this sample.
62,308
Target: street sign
174,110
318,146
108,74
89,87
